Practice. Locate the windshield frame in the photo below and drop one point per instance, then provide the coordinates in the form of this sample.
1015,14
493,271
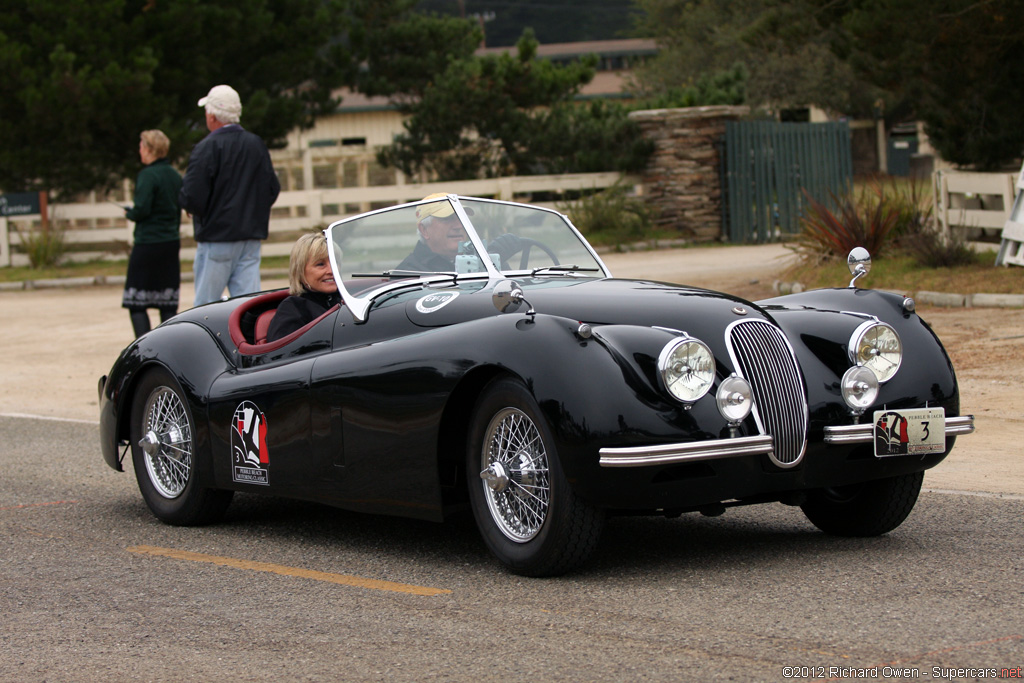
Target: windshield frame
360,303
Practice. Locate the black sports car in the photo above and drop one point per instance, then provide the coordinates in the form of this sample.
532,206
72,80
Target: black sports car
523,381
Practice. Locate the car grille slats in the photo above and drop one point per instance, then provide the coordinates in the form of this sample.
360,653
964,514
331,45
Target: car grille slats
762,355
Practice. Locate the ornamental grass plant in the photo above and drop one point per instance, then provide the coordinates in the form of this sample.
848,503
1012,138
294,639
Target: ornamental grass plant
865,216
44,247
888,217
894,220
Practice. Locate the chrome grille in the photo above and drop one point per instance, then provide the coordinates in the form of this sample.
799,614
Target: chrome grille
761,354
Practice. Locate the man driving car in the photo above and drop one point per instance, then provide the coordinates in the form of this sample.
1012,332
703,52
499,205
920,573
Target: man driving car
440,232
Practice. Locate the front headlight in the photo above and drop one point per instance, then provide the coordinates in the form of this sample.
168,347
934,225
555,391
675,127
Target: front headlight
877,347
687,368
860,388
735,399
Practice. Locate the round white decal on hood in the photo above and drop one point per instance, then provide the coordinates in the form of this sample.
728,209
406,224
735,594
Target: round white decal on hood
436,301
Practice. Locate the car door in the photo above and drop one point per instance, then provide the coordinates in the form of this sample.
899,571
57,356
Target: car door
259,419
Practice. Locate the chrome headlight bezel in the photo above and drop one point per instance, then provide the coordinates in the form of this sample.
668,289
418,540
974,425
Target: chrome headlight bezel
877,346
735,399
686,367
859,388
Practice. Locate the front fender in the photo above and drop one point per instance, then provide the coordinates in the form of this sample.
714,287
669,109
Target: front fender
820,324
604,390
184,349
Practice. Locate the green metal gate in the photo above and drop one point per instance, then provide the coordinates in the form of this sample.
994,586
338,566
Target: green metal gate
768,165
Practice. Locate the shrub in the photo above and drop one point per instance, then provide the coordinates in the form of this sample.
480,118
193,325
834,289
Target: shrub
611,216
929,249
910,200
865,219
44,248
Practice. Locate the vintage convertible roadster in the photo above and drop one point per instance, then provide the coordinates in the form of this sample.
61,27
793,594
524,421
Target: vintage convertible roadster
522,381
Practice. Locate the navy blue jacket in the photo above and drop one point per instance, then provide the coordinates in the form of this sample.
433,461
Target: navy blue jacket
229,186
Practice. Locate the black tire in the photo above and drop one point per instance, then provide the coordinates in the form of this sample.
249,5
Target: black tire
165,466
527,513
869,509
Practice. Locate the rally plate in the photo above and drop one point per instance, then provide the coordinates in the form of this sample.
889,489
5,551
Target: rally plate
910,432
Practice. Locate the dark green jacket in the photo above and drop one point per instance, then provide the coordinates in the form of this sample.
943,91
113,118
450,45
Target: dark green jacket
156,213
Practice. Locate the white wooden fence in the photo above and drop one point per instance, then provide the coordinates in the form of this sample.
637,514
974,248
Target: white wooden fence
1011,249
976,204
979,204
99,230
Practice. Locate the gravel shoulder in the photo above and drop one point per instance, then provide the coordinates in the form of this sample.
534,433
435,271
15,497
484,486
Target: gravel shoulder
56,344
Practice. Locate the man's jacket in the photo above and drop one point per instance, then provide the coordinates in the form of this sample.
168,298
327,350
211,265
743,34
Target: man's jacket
229,186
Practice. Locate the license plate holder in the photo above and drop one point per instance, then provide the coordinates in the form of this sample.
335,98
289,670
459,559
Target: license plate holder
918,431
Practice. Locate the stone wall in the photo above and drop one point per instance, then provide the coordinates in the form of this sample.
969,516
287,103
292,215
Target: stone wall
682,179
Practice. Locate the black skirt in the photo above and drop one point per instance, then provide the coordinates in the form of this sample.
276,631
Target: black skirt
154,276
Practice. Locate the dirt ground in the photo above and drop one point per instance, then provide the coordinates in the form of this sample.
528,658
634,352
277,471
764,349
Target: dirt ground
56,343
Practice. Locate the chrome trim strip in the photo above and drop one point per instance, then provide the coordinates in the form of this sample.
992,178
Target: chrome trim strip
670,453
865,433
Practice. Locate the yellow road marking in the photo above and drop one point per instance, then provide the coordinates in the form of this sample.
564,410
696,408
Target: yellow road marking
343,579
35,505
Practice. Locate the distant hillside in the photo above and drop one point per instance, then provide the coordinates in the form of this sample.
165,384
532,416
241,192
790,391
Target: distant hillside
553,21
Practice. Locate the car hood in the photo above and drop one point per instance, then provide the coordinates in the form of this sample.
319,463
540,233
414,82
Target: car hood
596,302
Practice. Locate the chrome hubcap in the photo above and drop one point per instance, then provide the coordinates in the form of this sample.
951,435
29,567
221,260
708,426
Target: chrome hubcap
496,477
515,478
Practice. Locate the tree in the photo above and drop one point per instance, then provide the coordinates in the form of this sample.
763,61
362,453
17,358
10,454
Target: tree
83,79
785,45
496,115
953,64
728,87
552,21
407,54
956,67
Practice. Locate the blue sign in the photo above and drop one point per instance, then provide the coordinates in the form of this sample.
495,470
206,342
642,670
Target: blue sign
19,204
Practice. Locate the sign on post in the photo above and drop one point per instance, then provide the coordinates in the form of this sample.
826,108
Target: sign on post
19,204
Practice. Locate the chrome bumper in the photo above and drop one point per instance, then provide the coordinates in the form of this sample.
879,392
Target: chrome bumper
669,453
865,433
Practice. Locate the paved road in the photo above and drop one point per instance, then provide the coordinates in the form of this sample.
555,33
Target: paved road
92,587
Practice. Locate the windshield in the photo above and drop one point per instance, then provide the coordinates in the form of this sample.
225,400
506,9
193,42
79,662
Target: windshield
454,237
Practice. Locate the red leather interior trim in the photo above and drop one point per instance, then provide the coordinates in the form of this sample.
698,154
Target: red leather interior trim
256,349
268,300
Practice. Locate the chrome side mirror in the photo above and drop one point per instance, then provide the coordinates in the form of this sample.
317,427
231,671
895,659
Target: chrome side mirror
508,295
859,263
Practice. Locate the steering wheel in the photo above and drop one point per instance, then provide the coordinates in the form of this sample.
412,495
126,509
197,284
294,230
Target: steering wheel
527,243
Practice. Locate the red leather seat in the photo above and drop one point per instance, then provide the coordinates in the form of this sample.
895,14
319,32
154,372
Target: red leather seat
266,304
263,325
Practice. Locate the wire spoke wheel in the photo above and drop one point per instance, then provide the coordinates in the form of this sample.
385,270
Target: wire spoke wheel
526,510
515,476
167,442
163,441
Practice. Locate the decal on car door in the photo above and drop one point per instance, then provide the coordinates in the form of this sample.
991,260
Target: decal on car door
250,459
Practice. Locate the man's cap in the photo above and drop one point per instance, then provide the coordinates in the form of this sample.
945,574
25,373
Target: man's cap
223,97
441,209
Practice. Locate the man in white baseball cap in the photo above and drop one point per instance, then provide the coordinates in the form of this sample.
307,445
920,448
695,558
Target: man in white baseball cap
223,101
228,189
440,232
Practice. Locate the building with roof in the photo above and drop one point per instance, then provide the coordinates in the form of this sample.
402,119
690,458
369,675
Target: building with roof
340,149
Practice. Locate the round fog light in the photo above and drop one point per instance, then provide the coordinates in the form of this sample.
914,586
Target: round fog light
860,388
735,399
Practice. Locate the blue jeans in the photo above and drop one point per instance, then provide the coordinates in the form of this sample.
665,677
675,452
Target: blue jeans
234,265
